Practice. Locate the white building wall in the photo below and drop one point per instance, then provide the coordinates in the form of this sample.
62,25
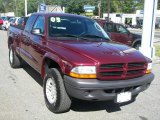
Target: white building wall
7,14
139,14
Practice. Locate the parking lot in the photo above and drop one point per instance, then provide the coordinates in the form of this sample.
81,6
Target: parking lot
21,97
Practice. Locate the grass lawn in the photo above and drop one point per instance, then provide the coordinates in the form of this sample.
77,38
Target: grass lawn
157,47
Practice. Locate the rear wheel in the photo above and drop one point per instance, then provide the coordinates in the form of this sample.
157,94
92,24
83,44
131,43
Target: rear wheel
56,98
14,60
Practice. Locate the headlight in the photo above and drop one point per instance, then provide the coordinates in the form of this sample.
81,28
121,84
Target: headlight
149,68
83,72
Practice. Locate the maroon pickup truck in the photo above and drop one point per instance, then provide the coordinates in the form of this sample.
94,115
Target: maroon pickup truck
76,59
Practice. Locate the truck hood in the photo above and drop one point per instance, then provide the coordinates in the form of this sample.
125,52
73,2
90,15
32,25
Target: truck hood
103,52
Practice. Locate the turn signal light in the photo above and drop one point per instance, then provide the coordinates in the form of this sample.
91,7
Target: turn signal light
86,76
148,71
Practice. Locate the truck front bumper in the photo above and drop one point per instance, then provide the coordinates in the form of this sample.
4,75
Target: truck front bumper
98,90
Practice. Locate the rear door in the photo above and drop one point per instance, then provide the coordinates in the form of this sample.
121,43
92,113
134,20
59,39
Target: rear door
125,36
118,33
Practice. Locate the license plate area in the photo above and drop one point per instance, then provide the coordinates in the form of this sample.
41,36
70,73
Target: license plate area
123,97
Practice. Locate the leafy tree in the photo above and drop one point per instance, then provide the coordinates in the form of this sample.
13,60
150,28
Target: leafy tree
127,6
72,6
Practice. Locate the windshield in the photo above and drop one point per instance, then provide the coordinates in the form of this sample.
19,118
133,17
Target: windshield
67,26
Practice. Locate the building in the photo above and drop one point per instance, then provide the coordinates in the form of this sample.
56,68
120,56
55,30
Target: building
53,8
131,19
7,14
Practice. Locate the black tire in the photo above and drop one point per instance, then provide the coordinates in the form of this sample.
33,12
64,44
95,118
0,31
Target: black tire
137,45
61,102
14,60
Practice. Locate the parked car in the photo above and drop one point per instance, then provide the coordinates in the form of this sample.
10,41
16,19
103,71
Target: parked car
121,34
1,23
9,22
76,59
6,22
3,18
22,22
15,21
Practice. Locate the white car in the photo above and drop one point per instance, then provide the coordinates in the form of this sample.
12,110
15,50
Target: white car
6,22
15,21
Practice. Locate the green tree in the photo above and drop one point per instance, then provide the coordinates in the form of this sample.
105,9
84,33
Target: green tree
72,6
127,6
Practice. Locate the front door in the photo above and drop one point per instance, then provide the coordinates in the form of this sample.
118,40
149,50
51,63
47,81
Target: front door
118,33
25,40
37,41
124,35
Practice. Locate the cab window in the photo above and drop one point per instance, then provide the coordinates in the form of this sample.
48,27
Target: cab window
39,24
121,29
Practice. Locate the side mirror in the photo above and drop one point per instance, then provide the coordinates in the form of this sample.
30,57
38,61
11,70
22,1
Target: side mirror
37,31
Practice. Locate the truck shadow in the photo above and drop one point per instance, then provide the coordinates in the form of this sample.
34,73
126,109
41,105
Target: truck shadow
34,74
80,105
87,106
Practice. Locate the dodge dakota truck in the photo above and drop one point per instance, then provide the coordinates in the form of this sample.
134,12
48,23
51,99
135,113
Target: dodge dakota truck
76,59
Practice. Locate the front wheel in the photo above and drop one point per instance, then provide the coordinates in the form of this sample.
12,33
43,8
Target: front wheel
56,98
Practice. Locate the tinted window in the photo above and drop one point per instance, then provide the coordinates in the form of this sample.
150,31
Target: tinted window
39,24
30,23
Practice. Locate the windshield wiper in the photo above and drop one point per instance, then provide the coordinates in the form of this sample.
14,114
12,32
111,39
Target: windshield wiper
93,36
82,36
70,35
66,35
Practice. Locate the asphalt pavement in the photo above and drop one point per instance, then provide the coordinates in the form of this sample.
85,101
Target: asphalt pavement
21,97
139,31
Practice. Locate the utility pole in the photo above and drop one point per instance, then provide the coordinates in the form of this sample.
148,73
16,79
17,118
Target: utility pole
147,48
99,9
108,4
16,7
25,7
